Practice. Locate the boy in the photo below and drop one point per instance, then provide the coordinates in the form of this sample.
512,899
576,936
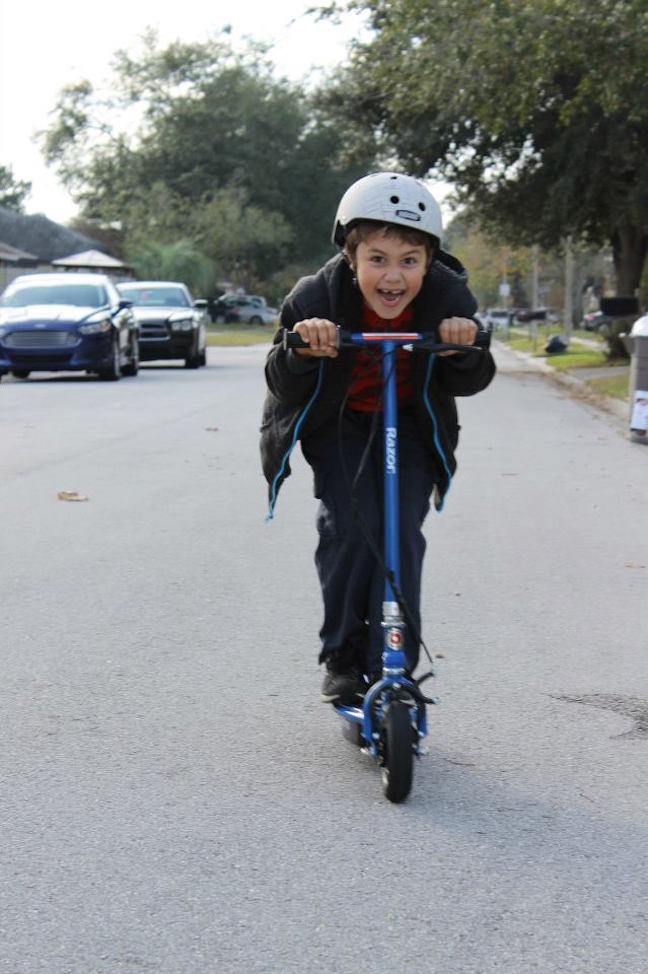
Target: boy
390,275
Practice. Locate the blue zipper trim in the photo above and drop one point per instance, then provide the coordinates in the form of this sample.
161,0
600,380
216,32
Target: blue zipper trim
428,406
298,425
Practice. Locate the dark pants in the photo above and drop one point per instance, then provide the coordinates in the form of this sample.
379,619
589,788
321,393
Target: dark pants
352,582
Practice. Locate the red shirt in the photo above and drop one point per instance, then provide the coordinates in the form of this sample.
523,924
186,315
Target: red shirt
365,392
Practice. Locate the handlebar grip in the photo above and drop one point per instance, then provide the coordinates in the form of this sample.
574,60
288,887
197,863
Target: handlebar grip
292,339
482,339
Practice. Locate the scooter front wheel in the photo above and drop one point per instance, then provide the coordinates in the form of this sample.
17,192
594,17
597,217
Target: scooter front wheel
397,740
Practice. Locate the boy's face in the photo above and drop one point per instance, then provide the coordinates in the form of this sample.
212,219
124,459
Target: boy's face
389,272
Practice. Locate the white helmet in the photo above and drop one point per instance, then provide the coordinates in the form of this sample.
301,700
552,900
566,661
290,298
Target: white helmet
388,197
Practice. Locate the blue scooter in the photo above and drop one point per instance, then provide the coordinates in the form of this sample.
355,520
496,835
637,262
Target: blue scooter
391,721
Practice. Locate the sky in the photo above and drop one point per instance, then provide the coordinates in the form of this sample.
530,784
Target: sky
44,46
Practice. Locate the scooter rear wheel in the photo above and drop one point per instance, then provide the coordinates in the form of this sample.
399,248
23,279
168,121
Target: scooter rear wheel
398,751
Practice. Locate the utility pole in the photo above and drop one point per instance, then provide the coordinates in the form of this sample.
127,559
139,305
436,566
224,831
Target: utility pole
568,307
535,250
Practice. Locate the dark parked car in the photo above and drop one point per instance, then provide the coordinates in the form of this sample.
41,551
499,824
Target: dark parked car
593,321
67,321
224,310
171,324
250,308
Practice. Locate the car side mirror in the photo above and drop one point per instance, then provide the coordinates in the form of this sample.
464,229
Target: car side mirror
125,303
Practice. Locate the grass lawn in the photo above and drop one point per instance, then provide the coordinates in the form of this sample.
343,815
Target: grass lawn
521,340
579,358
615,386
239,334
576,357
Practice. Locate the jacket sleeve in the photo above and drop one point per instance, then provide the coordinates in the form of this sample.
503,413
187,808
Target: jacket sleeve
291,378
466,373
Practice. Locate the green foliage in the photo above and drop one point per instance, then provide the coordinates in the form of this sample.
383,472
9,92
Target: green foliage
198,143
537,110
13,192
178,261
489,262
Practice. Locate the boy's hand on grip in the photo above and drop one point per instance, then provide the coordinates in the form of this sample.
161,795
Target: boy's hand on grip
457,331
321,335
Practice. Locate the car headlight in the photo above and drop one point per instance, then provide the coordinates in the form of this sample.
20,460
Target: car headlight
96,327
184,324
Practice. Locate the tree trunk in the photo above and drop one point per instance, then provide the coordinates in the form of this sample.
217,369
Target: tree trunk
629,247
568,306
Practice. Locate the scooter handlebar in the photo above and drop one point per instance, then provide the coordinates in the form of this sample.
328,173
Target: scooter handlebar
292,339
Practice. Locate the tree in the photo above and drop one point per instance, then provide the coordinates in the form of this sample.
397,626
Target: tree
178,261
537,110
244,162
235,239
13,192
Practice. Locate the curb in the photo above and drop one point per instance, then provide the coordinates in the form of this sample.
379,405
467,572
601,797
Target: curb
577,387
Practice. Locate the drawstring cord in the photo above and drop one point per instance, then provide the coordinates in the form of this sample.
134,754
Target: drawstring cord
298,425
428,406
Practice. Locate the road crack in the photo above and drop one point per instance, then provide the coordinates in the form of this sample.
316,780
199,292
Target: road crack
632,707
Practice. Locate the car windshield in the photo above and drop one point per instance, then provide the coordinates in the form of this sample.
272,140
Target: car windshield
80,295
156,297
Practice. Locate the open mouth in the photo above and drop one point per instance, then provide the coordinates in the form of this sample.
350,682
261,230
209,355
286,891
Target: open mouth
390,297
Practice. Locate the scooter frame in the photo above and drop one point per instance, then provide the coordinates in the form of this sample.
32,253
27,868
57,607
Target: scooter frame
367,725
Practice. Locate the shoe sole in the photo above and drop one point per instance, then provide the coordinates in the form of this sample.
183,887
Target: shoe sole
337,698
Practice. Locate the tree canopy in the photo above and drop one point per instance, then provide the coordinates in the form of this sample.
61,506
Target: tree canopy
198,143
537,111
13,192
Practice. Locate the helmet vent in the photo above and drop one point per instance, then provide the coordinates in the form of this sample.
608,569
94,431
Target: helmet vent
394,199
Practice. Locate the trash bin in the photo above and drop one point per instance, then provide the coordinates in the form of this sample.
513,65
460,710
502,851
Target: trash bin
637,345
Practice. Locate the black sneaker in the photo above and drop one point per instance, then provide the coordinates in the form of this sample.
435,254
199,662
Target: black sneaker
378,675
343,682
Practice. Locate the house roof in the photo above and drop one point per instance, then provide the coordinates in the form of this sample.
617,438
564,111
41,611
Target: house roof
94,259
11,255
42,237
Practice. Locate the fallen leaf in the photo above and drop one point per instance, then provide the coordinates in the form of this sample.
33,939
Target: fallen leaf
71,495
634,564
211,429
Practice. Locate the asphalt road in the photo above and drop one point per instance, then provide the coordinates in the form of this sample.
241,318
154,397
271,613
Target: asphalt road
174,798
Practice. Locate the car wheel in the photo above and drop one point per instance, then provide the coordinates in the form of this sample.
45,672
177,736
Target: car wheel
20,373
133,366
193,361
114,370
255,320
220,319
203,357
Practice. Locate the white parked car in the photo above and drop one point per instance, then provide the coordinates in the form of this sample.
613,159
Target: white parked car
494,318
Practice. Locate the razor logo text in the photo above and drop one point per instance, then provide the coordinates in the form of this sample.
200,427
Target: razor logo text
390,449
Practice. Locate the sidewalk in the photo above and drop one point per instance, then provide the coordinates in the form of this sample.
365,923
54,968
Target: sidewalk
574,381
